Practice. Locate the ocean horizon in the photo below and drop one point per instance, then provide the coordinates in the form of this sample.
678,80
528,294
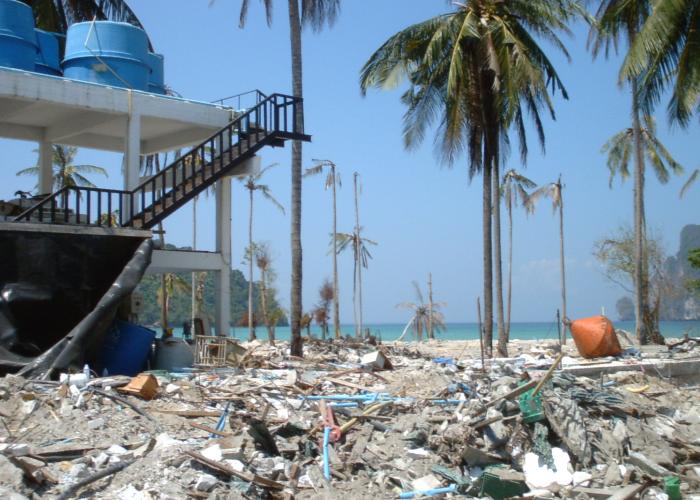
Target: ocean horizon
462,331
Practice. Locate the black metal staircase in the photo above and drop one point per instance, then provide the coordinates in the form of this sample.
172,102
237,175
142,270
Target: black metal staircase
270,122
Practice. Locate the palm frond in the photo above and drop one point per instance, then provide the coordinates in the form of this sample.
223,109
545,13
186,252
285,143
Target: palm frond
691,180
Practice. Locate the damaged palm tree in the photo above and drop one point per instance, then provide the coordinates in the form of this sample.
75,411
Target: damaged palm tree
252,184
553,191
426,317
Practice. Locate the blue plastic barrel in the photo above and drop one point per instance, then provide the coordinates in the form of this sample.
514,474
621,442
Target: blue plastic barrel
156,82
125,349
109,53
17,40
47,58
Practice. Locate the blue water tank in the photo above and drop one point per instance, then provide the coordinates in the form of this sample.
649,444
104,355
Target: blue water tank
125,349
17,40
109,53
47,59
156,81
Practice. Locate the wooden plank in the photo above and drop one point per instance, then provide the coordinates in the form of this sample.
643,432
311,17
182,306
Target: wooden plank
191,413
244,476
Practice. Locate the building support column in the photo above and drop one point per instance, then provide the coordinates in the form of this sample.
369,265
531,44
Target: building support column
45,167
132,158
222,279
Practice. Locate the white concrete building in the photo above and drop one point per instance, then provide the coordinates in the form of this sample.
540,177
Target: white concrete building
53,110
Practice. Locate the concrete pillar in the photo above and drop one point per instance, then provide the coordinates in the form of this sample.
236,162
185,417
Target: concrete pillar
45,167
132,156
222,280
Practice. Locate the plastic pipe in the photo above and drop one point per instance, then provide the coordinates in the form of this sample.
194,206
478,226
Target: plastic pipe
428,493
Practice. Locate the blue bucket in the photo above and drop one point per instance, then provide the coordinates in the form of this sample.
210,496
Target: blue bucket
17,40
126,348
47,59
109,53
156,82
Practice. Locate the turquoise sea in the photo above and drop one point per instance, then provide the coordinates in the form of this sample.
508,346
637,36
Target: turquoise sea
468,331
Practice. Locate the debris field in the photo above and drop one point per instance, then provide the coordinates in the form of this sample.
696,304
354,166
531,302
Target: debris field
357,420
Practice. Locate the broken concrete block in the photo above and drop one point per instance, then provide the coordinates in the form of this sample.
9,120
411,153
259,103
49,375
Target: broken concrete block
115,449
205,482
213,453
96,423
376,360
424,483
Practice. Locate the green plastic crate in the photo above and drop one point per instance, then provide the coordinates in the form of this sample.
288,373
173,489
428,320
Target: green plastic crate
531,407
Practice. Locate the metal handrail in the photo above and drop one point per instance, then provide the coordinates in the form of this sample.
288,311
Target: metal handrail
271,117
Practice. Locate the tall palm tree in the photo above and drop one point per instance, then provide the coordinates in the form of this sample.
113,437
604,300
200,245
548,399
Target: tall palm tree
664,54
316,14
332,181
620,147
513,191
425,316
252,184
476,71
65,173
554,191
361,256
616,20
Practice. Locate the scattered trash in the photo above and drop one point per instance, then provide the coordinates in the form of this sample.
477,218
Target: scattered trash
331,425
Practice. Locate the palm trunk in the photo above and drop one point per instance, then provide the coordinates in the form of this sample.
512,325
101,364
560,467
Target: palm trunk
642,328
354,290
336,299
509,206
488,264
561,262
502,339
358,256
296,345
431,334
263,306
251,328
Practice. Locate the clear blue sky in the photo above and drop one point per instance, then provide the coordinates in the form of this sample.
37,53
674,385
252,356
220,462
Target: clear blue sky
424,216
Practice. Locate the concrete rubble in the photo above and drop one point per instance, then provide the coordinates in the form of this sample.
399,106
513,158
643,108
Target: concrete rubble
432,422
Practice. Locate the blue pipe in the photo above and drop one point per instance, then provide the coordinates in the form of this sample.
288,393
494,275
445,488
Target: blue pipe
326,461
429,493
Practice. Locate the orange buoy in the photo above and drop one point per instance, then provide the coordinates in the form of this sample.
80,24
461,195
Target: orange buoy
595,337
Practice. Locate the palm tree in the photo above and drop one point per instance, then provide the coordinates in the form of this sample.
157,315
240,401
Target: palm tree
664,54
619,150
65,173
691,180
425,316
361,256
316,14
623,19
332,180
513,191
554,191
171,285
58,15
476,71
252,184
263,261
320,313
